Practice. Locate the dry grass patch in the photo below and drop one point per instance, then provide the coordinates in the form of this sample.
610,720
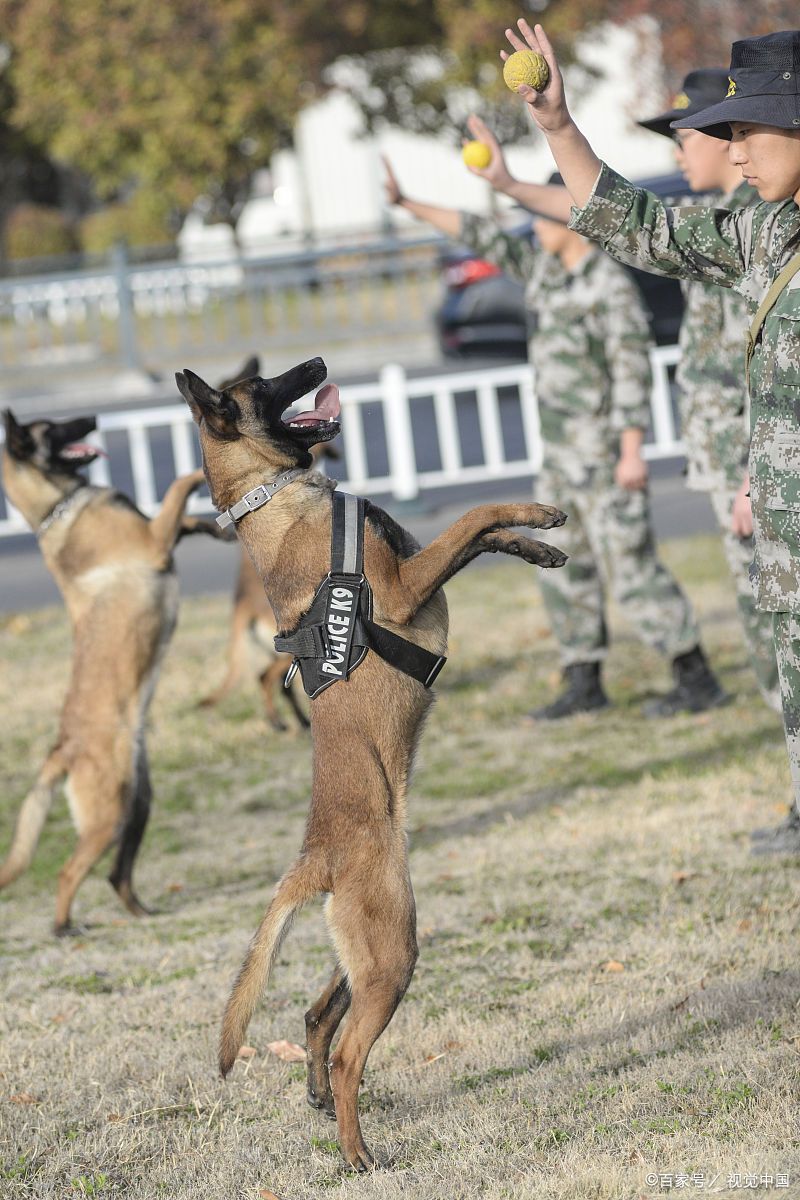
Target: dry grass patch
607,985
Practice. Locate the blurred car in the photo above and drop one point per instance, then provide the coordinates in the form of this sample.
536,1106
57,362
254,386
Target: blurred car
483,312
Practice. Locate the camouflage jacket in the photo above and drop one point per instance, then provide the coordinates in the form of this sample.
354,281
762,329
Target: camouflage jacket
589,347
714,421
743,250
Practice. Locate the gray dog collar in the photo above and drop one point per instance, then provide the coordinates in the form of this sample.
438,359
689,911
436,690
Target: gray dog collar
257,497
75,500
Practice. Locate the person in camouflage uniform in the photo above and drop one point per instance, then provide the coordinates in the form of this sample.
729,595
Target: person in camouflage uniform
712,395
590,352
755,251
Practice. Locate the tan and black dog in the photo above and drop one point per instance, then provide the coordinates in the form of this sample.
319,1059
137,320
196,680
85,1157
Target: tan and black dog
364,730
115,571
252,619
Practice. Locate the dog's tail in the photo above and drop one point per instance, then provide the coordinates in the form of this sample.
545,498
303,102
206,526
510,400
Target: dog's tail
31,819
300,884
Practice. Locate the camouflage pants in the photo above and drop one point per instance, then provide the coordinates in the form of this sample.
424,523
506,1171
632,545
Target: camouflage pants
787,648
757,625
610,543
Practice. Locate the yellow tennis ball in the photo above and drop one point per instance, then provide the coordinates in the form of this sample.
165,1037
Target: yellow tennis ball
526,66
476,154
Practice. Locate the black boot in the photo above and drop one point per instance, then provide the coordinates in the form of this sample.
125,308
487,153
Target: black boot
696,688
778,839
583,693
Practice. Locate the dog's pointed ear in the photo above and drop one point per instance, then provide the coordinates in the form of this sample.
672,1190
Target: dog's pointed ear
246,371
250,368
209,405
19,442
196,392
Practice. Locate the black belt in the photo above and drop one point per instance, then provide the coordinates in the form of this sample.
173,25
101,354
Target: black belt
333,637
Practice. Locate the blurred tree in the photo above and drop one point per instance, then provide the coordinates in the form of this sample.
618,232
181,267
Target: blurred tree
191,96
38,231
177,98
26,173
694,33
431,85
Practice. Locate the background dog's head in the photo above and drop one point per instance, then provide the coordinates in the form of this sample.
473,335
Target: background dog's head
247,425
52,447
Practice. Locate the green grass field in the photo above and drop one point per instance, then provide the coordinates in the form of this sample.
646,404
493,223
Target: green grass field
608,985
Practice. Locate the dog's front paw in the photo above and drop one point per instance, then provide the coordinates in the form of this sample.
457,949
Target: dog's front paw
558,518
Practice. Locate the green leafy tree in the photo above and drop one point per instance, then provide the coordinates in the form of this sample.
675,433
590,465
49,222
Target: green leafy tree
175,98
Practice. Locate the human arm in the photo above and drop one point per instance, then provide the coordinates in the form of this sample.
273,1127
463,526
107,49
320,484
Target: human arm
742,512
634,225
549,200
624,330
446,220
630,471
484,235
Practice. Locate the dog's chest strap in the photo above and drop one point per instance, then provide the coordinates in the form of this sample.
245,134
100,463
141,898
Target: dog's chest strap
335,635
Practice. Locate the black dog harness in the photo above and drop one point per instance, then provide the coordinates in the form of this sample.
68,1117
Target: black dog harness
333,637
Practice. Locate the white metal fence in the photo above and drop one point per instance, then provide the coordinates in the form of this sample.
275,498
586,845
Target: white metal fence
133,314
410,420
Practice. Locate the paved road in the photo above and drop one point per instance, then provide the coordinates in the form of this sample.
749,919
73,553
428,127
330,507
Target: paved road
208,566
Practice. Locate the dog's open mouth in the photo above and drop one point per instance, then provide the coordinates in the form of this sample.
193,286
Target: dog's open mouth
80,454
322,418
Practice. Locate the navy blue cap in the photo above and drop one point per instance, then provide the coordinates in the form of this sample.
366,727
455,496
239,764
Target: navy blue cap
699,90
763,87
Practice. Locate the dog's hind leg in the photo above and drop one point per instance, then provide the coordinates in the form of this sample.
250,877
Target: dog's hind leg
96,802
373,921
237,658
136,818
32,815
297,709
322,1021
271,679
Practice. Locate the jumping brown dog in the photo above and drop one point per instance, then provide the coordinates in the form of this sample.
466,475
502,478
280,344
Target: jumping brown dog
364,731
114,568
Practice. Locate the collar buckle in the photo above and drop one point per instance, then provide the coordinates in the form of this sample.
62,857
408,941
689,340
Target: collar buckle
255,498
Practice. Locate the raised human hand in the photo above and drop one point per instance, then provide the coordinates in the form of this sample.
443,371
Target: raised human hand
390,184
548,108
497,173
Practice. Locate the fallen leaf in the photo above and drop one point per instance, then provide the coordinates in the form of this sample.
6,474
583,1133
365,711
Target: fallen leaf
59,1018
612,966
744,924
681,876
266,1194
114,1117
432,1058
454,1045
175,887
246,1052
23,1098
287,1051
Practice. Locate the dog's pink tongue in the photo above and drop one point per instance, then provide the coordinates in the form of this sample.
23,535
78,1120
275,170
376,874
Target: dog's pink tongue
326,406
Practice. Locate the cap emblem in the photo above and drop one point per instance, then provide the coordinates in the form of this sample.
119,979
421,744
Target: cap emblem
681,101
731,88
